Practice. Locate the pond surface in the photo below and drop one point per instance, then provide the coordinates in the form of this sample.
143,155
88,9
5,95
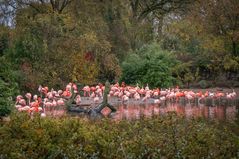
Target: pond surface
148,110
136,110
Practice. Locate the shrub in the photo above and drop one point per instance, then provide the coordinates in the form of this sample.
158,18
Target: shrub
159,137
8,87
5,99
203,84
151,65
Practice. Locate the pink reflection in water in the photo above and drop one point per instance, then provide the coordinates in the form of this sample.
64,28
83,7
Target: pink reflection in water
57,111
135,111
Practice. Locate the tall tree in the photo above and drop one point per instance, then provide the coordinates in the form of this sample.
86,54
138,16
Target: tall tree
143,8
220,17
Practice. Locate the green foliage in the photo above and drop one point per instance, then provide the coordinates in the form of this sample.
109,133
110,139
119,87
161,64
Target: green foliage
185,73
159,137
4,39
151,65
61,42
26,47
231,63
48,43
6,104
8,87
203,84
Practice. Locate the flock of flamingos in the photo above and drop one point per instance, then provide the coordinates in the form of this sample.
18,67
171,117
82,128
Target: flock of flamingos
52,98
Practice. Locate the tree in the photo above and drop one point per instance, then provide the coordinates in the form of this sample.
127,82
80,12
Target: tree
220,17
142,8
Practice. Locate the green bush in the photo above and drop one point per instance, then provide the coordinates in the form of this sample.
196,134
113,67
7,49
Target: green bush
159,137
5,99
203,84
149,65
8,87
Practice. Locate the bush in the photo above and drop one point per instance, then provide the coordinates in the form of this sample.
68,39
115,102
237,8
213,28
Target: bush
8,87
149,65
203,84
159,137
5,99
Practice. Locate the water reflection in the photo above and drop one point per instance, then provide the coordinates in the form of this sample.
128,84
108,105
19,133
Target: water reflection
55,111
136,111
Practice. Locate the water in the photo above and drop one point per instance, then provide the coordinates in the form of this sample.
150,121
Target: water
132,111
136,110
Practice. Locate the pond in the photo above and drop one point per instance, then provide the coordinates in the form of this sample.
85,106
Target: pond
133,111
138,109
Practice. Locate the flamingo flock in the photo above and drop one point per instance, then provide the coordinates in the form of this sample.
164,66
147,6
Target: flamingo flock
124,93
49,99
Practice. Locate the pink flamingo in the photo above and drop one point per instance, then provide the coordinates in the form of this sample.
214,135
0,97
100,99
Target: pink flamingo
96,99
29,96
78,99
86,90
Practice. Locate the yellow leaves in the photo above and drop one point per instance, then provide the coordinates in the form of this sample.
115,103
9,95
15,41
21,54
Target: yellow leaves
213,44
231,63
39,132
111,65
84,71
25,125
90,41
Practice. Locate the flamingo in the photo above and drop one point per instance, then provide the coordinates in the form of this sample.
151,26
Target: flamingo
35,97
141,92
59,92
43,115
116,94
60,102
18,106
78,99
156,101
125,98
67,94
86,90
163,98
54,103
44,90
147,96
163,93
147,88
40,88
120,94
69,86
50,95
19,97
92,95
96,99
25,108
156,94
127,93
74,86
111,93
233,94
29,96
136,96
22,102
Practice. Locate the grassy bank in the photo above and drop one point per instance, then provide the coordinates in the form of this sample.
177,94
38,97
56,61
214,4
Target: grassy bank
170,136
